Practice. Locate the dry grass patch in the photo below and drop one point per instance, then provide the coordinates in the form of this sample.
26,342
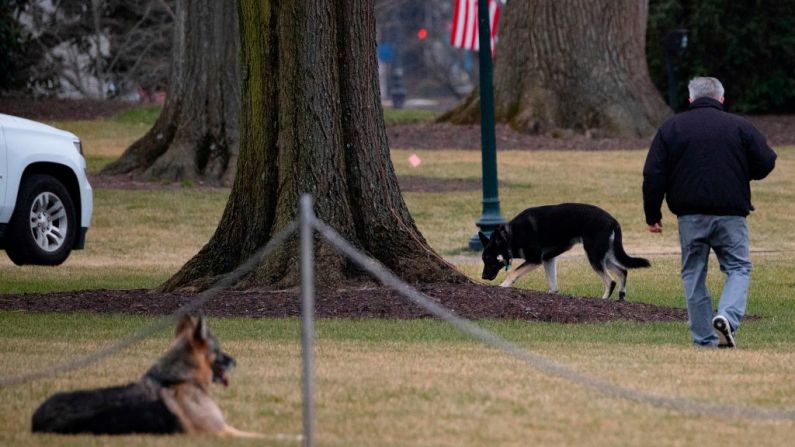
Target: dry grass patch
450,393
150,234
104,137
137,239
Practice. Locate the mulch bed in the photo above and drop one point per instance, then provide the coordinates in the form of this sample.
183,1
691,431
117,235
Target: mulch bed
434,136
130,183
411,183
61,109
779,130
472,301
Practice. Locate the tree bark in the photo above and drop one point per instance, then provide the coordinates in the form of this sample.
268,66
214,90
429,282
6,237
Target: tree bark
312,122
572,64
196,136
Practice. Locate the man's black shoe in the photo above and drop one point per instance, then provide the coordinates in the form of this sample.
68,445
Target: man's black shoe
724,331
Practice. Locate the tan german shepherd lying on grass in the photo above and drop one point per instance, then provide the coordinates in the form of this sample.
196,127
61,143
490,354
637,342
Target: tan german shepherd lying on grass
172,397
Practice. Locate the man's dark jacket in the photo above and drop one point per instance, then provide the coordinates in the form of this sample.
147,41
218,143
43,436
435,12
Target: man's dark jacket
702,161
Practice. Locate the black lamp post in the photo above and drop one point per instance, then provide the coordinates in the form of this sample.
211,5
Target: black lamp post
491,217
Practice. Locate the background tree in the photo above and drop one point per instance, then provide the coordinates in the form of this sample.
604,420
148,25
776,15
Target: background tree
312,122
574,64
196,136
748,45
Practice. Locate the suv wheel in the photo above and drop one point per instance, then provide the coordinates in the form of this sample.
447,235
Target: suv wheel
42,229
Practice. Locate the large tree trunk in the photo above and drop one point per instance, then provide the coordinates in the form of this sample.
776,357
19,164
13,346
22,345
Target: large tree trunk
312,122
196,136
572,64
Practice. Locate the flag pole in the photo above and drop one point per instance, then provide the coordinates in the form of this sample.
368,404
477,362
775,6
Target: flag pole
491,217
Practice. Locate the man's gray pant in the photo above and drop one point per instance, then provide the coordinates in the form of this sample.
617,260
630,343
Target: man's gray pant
728,237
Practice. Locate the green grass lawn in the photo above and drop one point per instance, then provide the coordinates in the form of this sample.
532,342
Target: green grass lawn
420,382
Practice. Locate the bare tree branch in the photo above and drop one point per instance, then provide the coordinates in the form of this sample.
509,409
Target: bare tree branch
121,49
168,9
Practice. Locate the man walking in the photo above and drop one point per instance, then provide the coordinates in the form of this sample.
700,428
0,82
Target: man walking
702,161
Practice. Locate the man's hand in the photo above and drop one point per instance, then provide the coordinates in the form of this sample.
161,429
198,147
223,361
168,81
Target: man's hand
655,228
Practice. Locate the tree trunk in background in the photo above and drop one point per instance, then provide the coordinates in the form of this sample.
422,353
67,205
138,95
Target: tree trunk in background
196,136
573,64
312,122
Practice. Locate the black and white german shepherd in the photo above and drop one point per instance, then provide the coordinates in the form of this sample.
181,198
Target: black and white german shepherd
538,235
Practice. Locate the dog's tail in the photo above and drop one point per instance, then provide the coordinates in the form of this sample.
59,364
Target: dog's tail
622,257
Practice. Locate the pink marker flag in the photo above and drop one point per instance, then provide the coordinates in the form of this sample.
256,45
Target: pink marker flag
414,160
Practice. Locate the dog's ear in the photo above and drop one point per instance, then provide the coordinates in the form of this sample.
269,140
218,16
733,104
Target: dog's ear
483,239
185,324
505,232
201,332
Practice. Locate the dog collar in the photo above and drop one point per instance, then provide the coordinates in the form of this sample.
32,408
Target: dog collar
506,260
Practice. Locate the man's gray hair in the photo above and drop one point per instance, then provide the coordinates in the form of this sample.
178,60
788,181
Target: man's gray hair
705,87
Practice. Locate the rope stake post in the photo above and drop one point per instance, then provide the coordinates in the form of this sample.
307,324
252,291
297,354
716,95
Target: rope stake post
307,221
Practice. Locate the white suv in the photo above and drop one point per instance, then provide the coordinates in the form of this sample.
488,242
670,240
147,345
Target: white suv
45,199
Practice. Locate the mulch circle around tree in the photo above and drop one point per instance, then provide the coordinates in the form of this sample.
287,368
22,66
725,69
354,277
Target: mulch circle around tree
473,301
779,130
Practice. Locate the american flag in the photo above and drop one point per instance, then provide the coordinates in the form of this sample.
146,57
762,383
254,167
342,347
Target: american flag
464,33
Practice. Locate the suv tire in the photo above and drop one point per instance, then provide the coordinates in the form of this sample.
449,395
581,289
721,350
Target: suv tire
43,227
